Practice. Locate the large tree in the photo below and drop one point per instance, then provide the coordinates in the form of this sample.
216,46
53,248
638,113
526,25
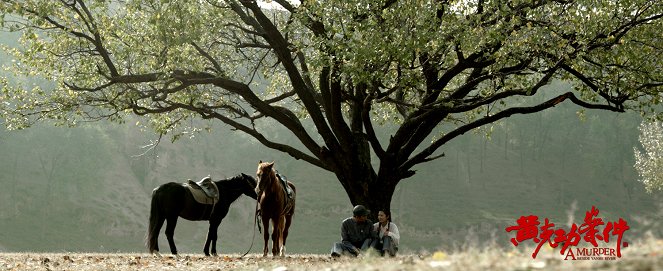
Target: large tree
435,69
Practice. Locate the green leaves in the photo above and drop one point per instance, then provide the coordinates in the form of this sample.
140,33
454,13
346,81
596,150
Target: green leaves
649,160
437,62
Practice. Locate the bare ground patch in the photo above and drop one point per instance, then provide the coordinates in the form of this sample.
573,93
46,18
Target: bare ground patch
642,256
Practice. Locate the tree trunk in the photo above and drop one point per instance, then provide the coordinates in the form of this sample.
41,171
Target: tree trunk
379,198
364,187
375,197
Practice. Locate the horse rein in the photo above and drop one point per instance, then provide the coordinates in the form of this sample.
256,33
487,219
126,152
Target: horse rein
257,216
255,222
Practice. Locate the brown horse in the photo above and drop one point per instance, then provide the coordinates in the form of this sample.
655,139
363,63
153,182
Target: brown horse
275,205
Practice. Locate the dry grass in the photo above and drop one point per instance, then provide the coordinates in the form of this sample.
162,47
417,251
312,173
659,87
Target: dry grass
646,255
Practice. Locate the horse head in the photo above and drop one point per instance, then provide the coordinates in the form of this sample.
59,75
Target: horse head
265,176
249,188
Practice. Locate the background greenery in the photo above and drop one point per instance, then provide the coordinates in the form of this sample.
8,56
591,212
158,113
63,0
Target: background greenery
88,188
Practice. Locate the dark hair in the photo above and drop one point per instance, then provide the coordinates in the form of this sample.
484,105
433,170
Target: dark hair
387,213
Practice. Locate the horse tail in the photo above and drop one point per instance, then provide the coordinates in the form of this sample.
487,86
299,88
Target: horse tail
153,227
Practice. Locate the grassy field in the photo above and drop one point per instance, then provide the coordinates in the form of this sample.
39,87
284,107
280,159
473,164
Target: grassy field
645,255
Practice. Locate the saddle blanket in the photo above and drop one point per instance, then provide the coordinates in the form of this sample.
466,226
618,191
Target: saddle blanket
284,183
204,192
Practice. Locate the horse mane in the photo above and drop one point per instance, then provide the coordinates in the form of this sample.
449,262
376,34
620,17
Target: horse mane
272,175
231,179
232,186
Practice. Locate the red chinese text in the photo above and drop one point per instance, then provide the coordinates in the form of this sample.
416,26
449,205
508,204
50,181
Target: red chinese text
529,228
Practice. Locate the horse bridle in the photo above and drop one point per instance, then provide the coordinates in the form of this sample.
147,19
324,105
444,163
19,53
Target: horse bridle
255,222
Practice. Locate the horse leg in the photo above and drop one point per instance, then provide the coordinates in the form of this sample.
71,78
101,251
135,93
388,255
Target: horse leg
288,221
282,237
171,222
214,246
207,242
153,235
211,236
265,234
276,235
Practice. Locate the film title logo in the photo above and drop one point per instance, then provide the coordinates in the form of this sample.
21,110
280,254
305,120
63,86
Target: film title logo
591,231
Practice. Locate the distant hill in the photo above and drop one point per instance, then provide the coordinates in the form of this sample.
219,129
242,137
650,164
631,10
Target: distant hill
88,188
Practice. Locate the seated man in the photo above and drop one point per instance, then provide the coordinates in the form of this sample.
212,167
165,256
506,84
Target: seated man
356,233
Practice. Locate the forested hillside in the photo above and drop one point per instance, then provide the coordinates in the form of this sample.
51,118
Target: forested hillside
88,188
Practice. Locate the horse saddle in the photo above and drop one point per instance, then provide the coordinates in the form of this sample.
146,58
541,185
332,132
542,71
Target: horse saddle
286,187
204,191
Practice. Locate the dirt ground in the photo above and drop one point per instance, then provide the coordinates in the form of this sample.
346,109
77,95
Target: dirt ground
644,256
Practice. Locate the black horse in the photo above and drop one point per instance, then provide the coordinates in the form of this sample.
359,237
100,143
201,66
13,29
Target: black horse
173,200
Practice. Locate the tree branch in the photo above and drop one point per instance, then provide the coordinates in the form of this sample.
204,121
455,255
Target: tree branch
280,46
211,59
370,132
424,154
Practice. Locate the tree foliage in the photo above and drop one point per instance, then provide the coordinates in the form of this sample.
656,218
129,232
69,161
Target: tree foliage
430,66
649,161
